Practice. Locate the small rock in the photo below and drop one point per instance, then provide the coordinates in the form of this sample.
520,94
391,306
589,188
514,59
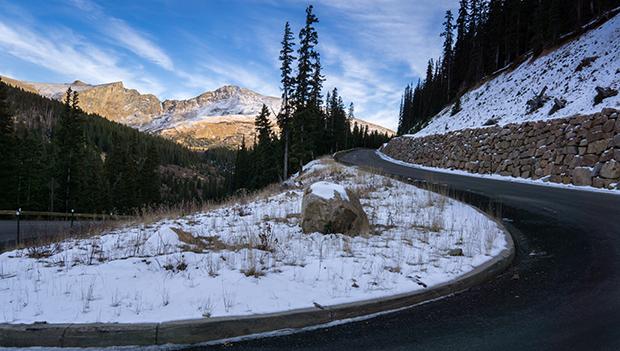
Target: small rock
455,252
604,93
558,104
586,62
537,101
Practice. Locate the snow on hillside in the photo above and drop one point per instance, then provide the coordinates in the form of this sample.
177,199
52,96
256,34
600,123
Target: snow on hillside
227,101
58,90
565,72
250,257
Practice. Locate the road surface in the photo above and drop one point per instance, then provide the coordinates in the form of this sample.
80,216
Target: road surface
561,293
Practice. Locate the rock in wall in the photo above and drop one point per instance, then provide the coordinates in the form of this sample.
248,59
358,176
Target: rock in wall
580,150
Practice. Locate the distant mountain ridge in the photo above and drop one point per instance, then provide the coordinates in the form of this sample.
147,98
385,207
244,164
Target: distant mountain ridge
222,117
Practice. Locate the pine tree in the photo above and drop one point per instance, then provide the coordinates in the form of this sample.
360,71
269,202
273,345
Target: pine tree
69,138
308,39
350,117
151,181
461,48
94,190
448,54
288,90
307,119
8,156
242,168
265,170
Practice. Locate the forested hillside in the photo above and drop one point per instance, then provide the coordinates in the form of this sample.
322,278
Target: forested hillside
486,36
55,157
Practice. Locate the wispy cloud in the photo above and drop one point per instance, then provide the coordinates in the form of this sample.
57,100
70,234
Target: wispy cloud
360,81
137,43
401,31
124,35
50,48
217,68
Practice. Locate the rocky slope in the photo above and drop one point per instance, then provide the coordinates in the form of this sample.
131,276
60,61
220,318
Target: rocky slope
220,117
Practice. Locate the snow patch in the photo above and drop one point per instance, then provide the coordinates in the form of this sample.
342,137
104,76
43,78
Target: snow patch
328,191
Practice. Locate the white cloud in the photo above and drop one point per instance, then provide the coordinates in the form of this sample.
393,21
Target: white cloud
63,51
246,75
124,35
396,30
360,80
137,43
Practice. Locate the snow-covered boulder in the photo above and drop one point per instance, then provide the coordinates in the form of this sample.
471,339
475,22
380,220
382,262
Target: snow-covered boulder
330,208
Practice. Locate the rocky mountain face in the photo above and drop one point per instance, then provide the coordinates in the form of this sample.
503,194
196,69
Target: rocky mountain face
112,101
222,117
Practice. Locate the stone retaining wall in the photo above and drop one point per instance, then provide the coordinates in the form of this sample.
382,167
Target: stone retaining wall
579,150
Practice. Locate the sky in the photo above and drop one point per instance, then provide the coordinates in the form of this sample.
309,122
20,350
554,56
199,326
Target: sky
177,49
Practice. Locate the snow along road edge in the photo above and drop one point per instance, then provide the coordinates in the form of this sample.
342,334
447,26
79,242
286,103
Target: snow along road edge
538,182
196,331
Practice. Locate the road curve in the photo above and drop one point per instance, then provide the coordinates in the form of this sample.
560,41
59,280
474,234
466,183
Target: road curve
561,293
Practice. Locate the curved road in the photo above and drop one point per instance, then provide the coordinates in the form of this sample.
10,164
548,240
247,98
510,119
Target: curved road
561,293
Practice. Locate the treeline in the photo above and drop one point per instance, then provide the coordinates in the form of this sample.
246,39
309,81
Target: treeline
55,157
309,125
486,36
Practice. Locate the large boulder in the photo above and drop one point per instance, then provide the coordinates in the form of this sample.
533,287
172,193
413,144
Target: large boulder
330,208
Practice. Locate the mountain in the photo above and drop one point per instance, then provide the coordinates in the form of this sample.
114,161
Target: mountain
559,83
222,117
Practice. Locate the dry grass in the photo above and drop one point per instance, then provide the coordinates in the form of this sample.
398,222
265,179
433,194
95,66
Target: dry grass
147,216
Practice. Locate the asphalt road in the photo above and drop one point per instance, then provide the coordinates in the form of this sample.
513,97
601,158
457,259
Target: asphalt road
561,293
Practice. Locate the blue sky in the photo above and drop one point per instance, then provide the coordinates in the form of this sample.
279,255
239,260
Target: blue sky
178,49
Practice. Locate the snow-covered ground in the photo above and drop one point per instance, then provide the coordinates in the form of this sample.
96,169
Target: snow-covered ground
504,97
250,257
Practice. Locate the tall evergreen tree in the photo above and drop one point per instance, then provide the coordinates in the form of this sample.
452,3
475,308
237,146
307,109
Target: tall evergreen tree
288,90
69,139
308,39
448,54
461,48
307,120
265,170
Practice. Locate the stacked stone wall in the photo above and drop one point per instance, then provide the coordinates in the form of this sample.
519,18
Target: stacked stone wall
579,150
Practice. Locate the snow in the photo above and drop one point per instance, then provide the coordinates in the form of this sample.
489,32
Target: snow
226,104
539,182
328,191
249,257
58,90
504,97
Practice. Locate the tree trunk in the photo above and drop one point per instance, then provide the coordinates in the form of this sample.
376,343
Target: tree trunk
285,166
